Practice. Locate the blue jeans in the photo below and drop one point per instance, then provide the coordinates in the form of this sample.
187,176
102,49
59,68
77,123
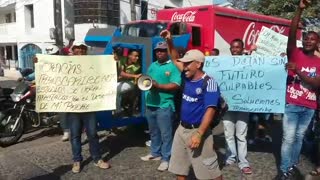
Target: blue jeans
78,122
160,127
63,121
295,123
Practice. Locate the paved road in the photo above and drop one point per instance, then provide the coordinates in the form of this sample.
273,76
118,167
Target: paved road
41,155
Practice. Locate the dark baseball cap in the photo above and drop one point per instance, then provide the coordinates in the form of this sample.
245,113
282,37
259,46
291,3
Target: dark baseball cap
161,45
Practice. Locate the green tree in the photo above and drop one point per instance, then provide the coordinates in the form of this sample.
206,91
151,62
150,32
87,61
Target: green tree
283,8
239,4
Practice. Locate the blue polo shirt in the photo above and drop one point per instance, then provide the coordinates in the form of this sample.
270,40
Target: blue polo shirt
196,99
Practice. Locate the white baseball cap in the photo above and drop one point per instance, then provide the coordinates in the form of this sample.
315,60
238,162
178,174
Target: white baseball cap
78,44
193,55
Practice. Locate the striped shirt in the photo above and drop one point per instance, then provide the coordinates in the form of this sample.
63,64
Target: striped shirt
196,99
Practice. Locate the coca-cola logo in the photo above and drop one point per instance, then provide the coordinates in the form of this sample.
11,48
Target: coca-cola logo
278,29
188,16
251,34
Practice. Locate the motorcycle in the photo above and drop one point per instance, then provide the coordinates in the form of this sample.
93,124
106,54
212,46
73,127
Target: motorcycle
22,116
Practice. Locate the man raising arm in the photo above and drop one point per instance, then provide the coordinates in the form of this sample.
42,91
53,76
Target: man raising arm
193,141
301,99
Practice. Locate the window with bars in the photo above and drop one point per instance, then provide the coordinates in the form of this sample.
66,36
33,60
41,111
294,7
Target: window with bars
97,11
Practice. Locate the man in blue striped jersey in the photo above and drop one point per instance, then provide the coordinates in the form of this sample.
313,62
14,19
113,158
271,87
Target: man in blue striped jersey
193,141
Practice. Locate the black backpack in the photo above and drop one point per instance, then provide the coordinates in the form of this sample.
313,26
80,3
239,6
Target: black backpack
221,109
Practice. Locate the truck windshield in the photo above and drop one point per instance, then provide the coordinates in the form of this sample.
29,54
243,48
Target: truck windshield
143,29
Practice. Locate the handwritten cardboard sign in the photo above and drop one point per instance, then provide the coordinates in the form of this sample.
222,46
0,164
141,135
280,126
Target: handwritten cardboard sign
271,43
250,83
75,83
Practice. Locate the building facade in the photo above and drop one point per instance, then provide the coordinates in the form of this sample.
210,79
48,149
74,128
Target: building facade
27,26
8,40
25,29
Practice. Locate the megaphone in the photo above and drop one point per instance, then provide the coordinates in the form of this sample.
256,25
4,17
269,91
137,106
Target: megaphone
144,83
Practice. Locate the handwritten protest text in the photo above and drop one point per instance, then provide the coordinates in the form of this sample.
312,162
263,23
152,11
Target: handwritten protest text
75,84
250,83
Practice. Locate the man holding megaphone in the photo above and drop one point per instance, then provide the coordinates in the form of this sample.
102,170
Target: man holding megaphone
166,79
144,82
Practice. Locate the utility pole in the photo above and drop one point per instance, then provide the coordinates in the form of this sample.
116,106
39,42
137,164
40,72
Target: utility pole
58,23
68,19
133,10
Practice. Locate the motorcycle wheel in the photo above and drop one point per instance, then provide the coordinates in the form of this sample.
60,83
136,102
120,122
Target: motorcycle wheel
6,129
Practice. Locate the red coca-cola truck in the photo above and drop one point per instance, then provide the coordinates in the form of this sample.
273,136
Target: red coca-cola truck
215,27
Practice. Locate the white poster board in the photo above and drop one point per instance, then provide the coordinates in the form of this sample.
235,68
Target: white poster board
75,83
271,43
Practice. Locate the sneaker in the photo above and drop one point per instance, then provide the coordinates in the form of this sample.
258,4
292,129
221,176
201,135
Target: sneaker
76,167
101,164
148,143
65,136
164,165
150,157
283,176
293,170
246,170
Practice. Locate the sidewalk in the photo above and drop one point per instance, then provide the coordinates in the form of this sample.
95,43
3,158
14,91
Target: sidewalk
10,74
